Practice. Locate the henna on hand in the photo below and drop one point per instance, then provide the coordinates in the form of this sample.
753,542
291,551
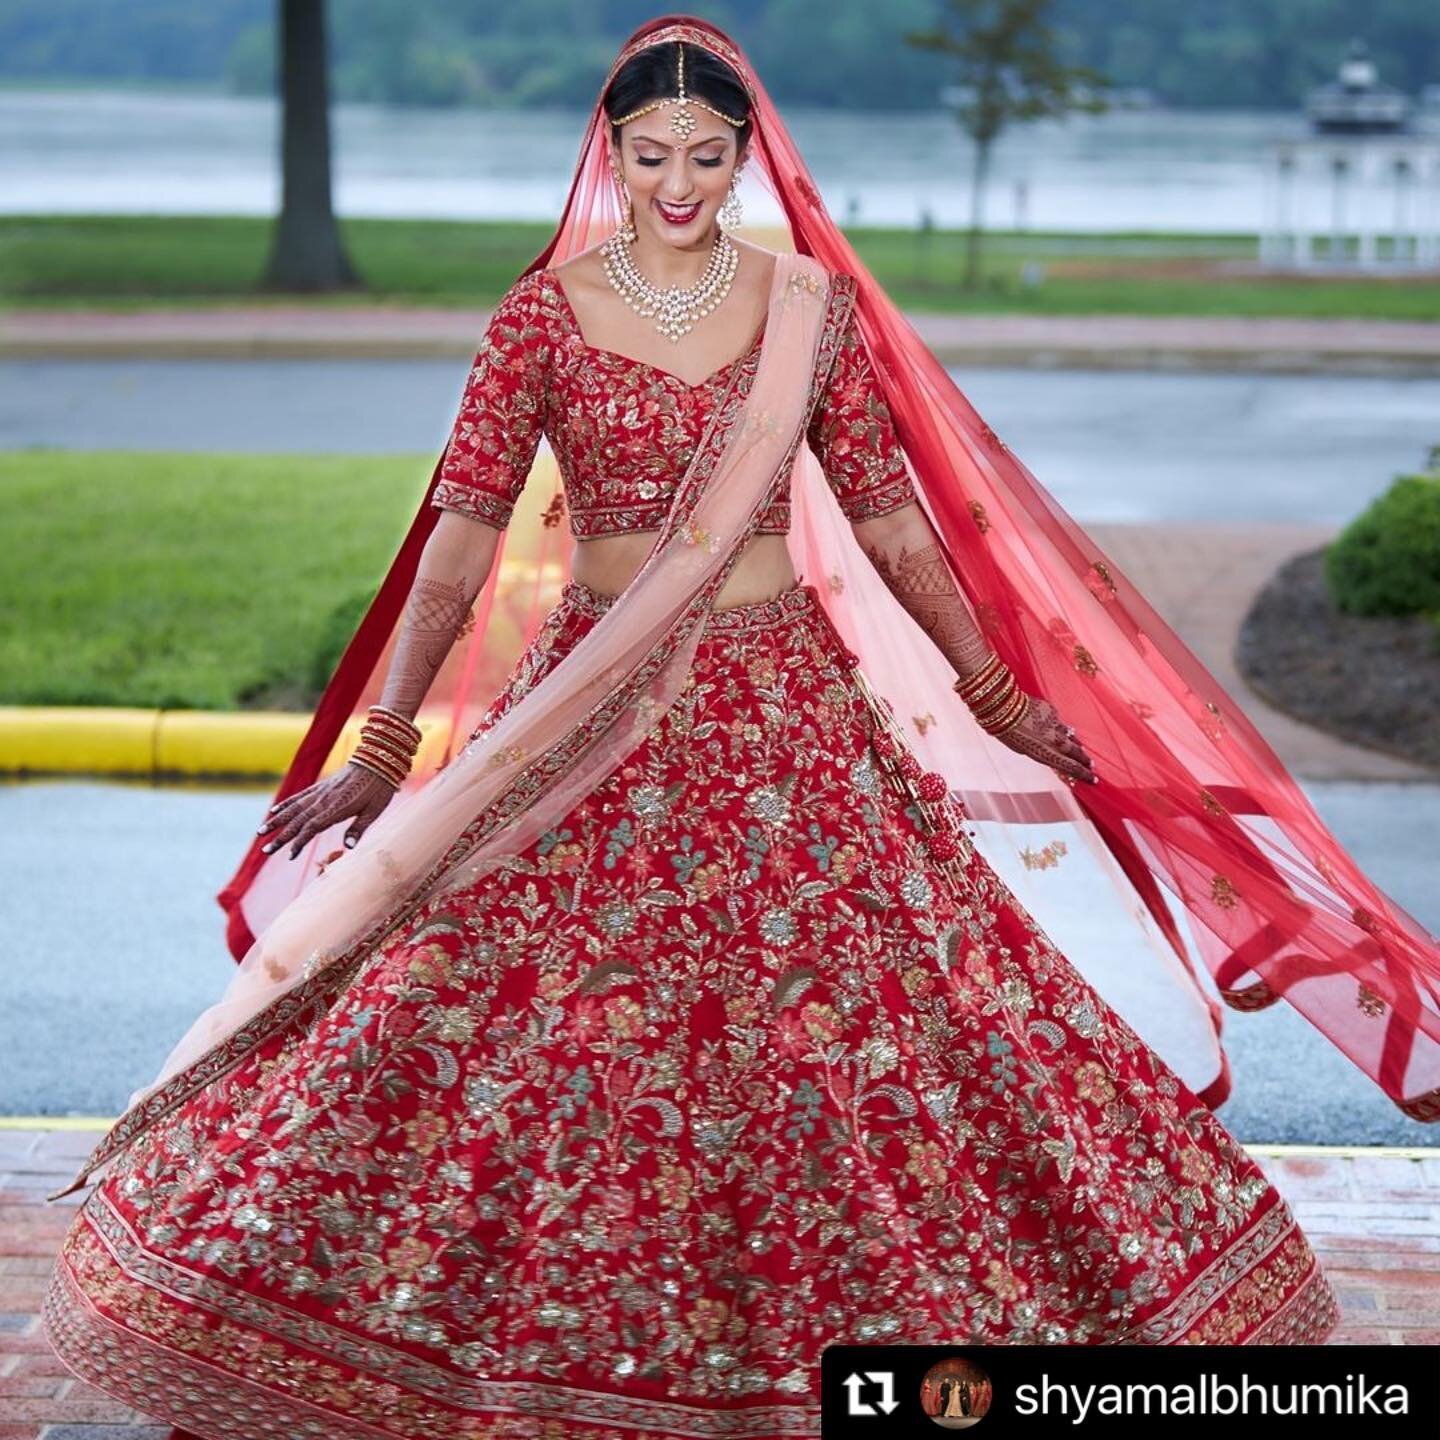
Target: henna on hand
352,790
435,614
1042,735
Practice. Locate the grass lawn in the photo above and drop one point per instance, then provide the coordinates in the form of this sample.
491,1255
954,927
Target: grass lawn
192,581
148,261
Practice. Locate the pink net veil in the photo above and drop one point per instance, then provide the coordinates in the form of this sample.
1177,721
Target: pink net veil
1195,876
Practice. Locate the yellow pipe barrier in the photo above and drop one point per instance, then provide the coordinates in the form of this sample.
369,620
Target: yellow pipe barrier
105,740
77,740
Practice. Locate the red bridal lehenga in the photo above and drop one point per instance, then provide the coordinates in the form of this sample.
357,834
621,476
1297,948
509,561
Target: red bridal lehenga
748,1049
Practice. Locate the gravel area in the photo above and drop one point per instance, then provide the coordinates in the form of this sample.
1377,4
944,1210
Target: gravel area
1373,680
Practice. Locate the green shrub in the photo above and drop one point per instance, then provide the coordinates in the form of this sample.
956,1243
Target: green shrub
1387,560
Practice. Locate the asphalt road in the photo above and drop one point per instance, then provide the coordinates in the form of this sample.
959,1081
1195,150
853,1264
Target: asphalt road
1117,446
112,944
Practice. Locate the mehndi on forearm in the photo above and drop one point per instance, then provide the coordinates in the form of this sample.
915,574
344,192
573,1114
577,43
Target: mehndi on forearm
435,613
910,560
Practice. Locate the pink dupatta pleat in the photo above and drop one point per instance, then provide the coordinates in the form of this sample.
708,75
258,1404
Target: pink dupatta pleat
558,741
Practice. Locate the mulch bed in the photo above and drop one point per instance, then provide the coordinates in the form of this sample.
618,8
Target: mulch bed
1373,680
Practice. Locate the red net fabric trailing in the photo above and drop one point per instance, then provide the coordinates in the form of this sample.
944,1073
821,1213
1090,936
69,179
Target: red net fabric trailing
1195,875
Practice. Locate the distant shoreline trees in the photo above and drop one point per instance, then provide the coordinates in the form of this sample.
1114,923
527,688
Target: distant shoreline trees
1234,54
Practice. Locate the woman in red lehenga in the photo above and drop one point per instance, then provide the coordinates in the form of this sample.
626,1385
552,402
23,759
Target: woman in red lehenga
681,1021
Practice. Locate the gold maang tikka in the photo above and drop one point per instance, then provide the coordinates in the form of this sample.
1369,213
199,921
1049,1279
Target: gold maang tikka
682,120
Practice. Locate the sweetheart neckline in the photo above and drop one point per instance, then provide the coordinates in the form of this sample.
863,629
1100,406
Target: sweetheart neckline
646,364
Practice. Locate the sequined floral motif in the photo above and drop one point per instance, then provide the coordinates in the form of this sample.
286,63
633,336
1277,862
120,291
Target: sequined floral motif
1369,1001
1365,919
1100,582
624,431
1047,857
1223,892
727,1066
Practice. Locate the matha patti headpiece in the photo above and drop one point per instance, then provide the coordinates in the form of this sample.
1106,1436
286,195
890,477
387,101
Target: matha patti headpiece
682,121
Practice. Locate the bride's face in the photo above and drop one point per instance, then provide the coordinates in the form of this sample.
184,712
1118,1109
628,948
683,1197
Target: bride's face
676,186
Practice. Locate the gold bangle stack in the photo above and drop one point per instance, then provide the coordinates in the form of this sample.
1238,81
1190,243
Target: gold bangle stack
994,696
387,745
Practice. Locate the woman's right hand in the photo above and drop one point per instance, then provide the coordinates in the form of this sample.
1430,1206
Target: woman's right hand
351,790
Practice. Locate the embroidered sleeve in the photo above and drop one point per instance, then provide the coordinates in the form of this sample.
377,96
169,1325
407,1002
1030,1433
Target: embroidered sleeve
502,411
854,438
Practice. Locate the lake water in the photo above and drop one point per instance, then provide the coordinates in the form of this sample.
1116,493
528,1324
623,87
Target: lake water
126,152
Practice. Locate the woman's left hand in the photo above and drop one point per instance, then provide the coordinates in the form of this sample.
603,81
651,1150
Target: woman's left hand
1044,736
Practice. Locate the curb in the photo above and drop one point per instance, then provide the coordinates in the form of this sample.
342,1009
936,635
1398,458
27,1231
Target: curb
977,356
1231,344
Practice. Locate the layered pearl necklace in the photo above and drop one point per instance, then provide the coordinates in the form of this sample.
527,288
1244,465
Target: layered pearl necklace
677,307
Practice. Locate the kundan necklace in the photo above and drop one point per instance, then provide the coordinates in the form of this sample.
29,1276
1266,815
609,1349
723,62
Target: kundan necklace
678,307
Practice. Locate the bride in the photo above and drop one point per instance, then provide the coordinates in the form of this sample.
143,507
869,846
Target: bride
681,1021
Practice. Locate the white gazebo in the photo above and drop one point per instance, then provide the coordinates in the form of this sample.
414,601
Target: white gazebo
1352,203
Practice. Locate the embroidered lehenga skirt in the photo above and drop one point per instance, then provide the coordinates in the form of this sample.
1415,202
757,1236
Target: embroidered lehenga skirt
719,1072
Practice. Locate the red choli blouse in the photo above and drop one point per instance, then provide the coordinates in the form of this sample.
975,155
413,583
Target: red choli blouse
623,431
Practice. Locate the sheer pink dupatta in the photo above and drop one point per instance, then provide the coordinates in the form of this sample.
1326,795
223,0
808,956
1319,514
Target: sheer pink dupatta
512,782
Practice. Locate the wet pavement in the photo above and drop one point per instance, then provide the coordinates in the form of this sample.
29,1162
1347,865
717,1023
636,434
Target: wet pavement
1120,446
103,975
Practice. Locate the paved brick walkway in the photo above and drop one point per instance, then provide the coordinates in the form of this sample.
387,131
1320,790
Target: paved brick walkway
1263,343
1373,1217
1202,580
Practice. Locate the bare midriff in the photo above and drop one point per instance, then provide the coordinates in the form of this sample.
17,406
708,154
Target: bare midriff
608,563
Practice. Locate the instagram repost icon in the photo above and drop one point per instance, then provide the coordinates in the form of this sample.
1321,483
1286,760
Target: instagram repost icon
955,1393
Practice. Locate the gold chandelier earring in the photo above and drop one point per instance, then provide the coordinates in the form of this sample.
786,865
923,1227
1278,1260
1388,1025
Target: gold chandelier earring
730,212
627,213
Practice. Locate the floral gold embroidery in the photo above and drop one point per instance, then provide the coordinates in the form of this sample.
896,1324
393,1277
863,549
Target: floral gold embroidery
1047,857
576,1056
1223,892
1100,582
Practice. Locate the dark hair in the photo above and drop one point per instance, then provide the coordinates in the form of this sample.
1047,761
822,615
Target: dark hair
654,74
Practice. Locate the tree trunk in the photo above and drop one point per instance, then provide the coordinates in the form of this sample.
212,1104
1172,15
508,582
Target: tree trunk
977,211
306,252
